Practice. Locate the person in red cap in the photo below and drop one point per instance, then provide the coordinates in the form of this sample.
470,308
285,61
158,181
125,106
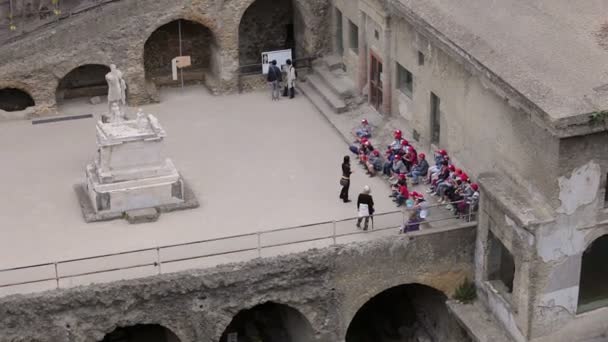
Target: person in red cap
470,202
402,196
374,163
440,156
364,130
401,180
419,170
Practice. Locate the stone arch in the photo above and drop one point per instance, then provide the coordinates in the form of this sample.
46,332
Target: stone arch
405,312
15,98
266,25
86,80
271,321
199,40
141,332
593,284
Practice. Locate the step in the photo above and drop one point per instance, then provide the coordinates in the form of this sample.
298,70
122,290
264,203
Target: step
478,322
332,99
333,62
337,81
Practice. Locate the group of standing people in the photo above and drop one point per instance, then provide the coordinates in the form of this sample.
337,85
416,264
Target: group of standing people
275,77
365,202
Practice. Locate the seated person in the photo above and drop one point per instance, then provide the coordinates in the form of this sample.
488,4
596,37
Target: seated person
401,180
439,157
419,170
364,151
354,148
364,130
402,196
470,202
374,162
396,145
397,167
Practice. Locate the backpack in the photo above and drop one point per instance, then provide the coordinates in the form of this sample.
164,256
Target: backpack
271,74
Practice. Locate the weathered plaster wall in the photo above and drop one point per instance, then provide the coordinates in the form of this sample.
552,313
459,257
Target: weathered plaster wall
482,131
327,286
116,33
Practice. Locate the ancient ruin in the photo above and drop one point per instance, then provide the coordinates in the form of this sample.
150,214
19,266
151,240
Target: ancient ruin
516,92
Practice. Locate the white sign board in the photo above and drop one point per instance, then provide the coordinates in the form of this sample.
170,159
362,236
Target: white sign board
233,337
281,56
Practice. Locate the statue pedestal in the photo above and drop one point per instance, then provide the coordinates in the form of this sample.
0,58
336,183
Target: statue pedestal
130,171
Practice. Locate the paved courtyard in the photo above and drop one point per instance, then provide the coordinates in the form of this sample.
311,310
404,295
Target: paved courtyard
254,165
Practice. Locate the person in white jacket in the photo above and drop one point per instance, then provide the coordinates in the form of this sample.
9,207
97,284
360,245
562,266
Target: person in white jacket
291,79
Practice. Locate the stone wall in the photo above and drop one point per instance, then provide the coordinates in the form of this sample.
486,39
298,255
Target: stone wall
327,286
163,45
264,27
116,33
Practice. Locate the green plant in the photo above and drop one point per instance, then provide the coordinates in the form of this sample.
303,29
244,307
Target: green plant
598,117
466,292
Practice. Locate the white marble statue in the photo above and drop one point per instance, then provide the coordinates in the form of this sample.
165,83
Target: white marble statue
141,119
116,88
116,114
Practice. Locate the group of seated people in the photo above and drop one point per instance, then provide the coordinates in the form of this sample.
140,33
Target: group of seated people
401,163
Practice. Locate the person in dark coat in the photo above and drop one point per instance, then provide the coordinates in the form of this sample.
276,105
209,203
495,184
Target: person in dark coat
345,180
365,199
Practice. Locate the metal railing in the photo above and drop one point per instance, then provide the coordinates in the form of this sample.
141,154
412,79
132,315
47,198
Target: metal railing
203,253
254,69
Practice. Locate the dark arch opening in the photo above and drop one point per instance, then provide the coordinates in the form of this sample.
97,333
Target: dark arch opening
593,286
269,322
84,81
197,41
12,100
141,333
405,313
268,25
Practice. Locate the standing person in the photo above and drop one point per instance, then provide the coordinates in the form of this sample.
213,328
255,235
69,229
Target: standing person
275,76
292,75
345,180
365,207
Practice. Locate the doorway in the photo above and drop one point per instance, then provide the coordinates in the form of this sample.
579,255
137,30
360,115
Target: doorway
435,119
339,33
375,82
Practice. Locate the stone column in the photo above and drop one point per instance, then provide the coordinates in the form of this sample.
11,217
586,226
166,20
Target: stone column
387,69
363,51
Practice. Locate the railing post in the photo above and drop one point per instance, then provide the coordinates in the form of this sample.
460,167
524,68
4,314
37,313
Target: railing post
259,244
333,234
56,275
158,259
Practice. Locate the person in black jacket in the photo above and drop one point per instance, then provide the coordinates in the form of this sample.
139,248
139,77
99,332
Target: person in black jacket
365,199
345,180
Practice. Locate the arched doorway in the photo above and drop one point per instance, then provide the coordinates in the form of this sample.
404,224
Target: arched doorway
268,25
13,99
269,322
410,312
141,333
87,80
593,286
185,36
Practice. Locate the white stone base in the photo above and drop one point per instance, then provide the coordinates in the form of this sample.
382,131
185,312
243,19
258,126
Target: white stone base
119,197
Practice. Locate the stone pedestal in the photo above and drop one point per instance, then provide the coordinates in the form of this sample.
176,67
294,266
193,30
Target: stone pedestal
130,171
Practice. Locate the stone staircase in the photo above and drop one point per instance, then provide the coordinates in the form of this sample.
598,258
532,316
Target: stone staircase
328,87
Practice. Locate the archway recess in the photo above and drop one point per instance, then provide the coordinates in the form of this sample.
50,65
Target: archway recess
84,81
180,38
141,333
409,312
269,322
267,25
593,286
13,99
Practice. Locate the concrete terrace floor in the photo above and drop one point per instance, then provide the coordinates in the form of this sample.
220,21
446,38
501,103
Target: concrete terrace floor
254,165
